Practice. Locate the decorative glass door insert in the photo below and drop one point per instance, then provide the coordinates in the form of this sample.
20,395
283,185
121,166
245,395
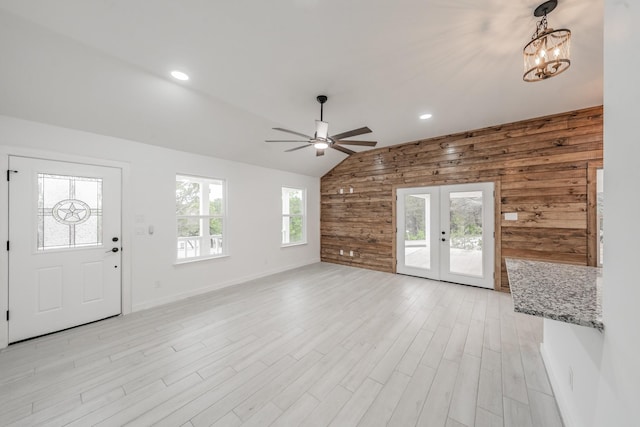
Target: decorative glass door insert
69,212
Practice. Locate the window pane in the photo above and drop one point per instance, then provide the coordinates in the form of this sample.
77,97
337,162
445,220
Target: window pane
188,248
292,201
188,227
417,252
69,211
215,236
187,197
292,229
465,234
216,205
600,210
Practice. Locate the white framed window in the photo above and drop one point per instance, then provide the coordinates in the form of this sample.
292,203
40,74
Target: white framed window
294,222
200,217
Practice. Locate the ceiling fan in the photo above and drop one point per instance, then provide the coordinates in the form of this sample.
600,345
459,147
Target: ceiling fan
321,139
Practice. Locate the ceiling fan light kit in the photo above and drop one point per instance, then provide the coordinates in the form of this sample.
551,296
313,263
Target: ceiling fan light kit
548,52
321,139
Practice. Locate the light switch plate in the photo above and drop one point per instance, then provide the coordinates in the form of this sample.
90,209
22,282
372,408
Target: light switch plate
511,216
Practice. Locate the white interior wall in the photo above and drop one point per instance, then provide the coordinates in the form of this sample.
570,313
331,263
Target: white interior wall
254,209
606,365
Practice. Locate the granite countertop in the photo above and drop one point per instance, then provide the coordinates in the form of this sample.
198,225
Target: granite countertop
568,293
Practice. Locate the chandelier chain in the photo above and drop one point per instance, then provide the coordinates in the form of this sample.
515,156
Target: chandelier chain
541,27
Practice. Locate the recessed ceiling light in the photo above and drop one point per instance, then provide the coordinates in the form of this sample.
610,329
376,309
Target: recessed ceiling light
179,75
426,116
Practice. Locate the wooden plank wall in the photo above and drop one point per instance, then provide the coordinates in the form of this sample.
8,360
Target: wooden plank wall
540,167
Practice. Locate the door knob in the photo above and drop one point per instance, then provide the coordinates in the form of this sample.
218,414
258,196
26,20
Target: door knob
114,250
443,239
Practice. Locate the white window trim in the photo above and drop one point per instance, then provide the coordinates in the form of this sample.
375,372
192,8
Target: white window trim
204,201
303,215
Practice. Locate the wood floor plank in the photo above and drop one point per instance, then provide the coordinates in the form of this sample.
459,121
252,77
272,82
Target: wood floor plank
436,406
357,406
241,393
326,411
465,392
229,420
485,418
490,382
179,400
263,417
544,410
381,410
412,400
262,397
414,354
318,345
297,412
516,414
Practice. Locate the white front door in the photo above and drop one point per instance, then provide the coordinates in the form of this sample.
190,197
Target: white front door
446,233
64,245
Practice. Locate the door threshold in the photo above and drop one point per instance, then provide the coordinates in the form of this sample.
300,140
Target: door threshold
63,330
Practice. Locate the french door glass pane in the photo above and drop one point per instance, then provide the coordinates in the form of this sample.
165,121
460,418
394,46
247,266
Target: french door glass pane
465,233
69,211
417,252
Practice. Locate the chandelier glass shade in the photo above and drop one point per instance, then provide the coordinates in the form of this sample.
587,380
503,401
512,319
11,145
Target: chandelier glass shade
549,51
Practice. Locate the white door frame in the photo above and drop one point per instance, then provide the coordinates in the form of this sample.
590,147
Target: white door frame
126,223
439,256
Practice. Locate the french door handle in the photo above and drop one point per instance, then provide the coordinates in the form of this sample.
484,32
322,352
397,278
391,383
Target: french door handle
443,239
114,250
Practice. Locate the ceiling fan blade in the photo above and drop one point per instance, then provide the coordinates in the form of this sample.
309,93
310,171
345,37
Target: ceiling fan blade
285,140
297,148
355,132
364,143
293,132
319,152
343,149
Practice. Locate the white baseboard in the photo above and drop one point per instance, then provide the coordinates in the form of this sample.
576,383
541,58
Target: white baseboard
561,399
177,297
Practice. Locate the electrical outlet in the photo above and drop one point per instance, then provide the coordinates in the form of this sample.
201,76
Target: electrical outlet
570,378
350,189
350,253
341,191
341,252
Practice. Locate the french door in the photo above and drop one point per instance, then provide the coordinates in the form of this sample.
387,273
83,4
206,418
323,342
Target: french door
64,234
447,233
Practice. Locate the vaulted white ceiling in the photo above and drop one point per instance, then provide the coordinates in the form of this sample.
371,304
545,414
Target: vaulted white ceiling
103,66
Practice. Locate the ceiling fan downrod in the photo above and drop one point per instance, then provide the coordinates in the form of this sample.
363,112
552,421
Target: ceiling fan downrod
321,99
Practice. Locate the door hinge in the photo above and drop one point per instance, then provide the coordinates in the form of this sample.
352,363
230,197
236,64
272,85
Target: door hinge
7,245
9,172
7,315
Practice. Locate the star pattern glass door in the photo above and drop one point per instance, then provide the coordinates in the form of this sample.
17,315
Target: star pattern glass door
64,258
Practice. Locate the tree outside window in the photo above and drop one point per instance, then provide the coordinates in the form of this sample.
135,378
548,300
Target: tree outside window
293,216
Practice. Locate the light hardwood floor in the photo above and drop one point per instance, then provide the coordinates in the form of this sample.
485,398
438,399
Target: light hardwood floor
320,345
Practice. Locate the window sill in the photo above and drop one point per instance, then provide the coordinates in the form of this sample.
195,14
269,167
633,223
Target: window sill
288,245
192,260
